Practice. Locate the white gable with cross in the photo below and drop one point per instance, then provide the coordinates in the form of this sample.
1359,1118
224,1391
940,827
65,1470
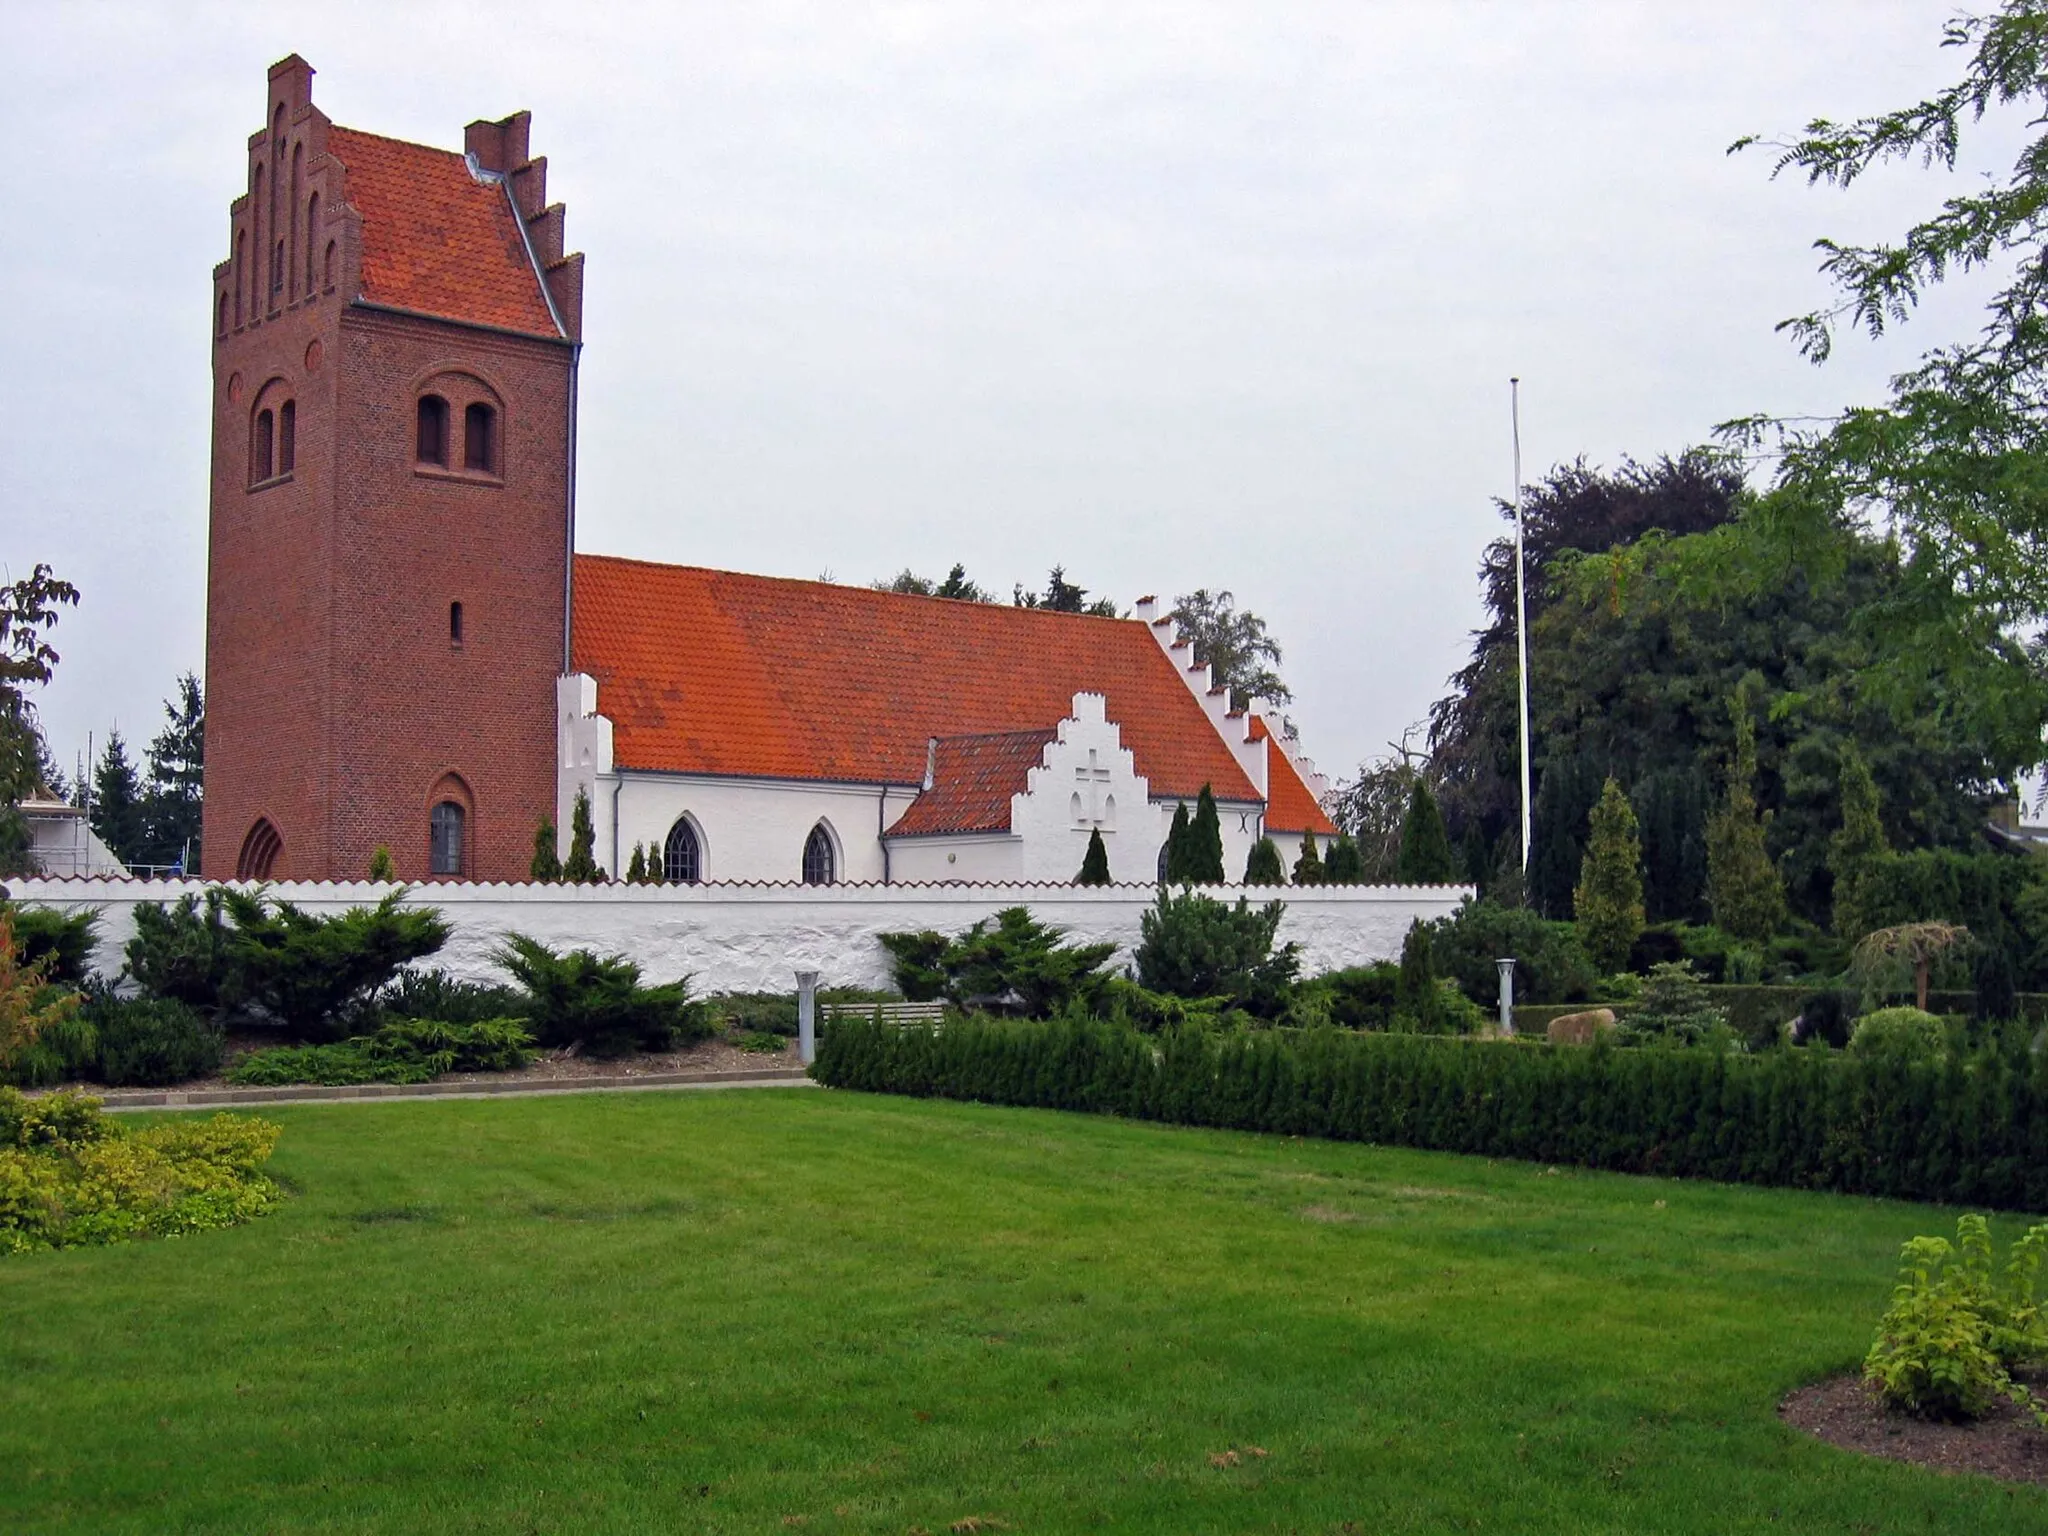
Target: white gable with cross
1087,781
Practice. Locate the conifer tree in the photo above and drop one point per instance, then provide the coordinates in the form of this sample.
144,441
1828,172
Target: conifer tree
1177,848
1308,869
381,867
1859,845
581,867
1205,842
117,801
1095,862
547,863
1608,903
1425,845
1346,864
171,799
1415,991
1264,866
1743,886
636,868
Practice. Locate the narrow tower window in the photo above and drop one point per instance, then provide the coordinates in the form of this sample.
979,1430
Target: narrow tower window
329,282
287,437
262,463
682,860
277,270
818,859
479,439
455,625
444,828
241,267
259,852
221,325
433,435
312,237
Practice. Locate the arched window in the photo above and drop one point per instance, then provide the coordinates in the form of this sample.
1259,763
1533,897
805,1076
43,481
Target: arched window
682,858
276,271
328,282
819,864
433,433
287,437
263,449
312,236
277,128
259,852
455,624
221,325
480,438
445,826
1162,863
298,164
241,266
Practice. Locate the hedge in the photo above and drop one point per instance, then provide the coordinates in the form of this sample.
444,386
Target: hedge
1749,1008
1962,1130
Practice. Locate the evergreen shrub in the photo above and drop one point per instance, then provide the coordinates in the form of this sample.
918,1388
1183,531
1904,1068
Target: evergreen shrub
1194,946
64,938
149,1042
1550,964
597,1002
1970,1129
1901,1031
402,1050
1263,865
1011,962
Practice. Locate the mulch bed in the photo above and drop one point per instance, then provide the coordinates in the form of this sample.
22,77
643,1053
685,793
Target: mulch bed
2006,1443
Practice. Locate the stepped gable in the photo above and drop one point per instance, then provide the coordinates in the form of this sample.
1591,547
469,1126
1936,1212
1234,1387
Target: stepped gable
973,778
1290,807
716,672
436,239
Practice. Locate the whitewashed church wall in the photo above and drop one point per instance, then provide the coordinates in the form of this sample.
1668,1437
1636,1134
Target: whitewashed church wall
754,937
753,829
990,858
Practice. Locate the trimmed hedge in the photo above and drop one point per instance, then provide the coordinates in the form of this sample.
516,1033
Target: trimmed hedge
1969,1130
1751,1009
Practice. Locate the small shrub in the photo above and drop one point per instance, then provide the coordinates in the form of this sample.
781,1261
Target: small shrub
1011,962
1946,1346
596,1002
148,1042
1899,1031
1674,1009
760,1043
32,1012
434,994
1195,946
64,939
70,1176
1360,997
401,1051
1550,964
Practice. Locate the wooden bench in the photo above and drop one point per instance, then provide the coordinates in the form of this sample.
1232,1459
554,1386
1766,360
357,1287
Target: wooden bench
891,1013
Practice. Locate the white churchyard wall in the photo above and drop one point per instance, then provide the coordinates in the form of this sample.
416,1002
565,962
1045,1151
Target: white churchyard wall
746,938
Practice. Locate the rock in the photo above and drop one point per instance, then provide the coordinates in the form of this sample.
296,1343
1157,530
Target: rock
1580,1028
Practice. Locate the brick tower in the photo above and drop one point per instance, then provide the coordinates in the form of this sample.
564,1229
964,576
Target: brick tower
395,341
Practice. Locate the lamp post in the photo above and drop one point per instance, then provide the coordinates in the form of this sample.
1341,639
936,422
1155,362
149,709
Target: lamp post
807,1016
1506,967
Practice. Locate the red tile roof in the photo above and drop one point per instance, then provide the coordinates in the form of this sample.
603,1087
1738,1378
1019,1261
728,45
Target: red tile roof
435,239
972,782
1289,805
716,672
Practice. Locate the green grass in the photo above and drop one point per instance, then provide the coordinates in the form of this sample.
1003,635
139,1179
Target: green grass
818,1311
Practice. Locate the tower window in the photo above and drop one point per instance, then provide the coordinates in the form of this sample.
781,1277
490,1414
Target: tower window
455,624
433,434
287,437
329,283
221,325
312,235
444,831
262,460
259,852
682,858
479,438
277,268
241,266
819,864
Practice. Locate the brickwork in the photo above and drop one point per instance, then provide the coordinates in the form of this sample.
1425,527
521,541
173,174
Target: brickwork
340,706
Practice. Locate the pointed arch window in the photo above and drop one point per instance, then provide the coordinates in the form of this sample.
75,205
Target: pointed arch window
821,866
260,849
682,856
446,825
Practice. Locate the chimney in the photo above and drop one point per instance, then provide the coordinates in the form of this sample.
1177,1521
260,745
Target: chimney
931,760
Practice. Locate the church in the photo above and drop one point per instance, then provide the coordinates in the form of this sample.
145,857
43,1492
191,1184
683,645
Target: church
406,651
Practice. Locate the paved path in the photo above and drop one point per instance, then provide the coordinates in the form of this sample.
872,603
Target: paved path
509,1088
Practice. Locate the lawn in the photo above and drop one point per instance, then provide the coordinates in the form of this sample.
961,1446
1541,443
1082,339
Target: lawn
778,1310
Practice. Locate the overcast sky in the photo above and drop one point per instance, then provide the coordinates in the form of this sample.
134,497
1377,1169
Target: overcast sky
1177,295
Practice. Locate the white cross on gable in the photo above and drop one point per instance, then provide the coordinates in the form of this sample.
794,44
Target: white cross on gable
1091,779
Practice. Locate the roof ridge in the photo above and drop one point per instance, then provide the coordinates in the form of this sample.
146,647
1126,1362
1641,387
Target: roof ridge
387,138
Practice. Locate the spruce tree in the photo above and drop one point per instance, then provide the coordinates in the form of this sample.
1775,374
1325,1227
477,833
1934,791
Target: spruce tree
177,773
1608,903
1859,845
117,802
1743,886
1308,869
547,863
636,867
1425,845
1346,864
581,867
1177,847
1205,842
381,869
1264,866
1416,998
1095,862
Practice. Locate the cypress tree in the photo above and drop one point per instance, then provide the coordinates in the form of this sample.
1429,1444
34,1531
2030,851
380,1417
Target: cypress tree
1859,845
1346,864
581,867
636,867
1177,847
547,864
1425,845
1264,866
1415,992
1743,886
1308,869
1205,842
1608,905
1095,862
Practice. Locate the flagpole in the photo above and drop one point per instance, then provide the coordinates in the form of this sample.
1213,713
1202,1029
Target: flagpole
1521,611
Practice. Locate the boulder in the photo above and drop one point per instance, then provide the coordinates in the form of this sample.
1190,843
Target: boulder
1581,1028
